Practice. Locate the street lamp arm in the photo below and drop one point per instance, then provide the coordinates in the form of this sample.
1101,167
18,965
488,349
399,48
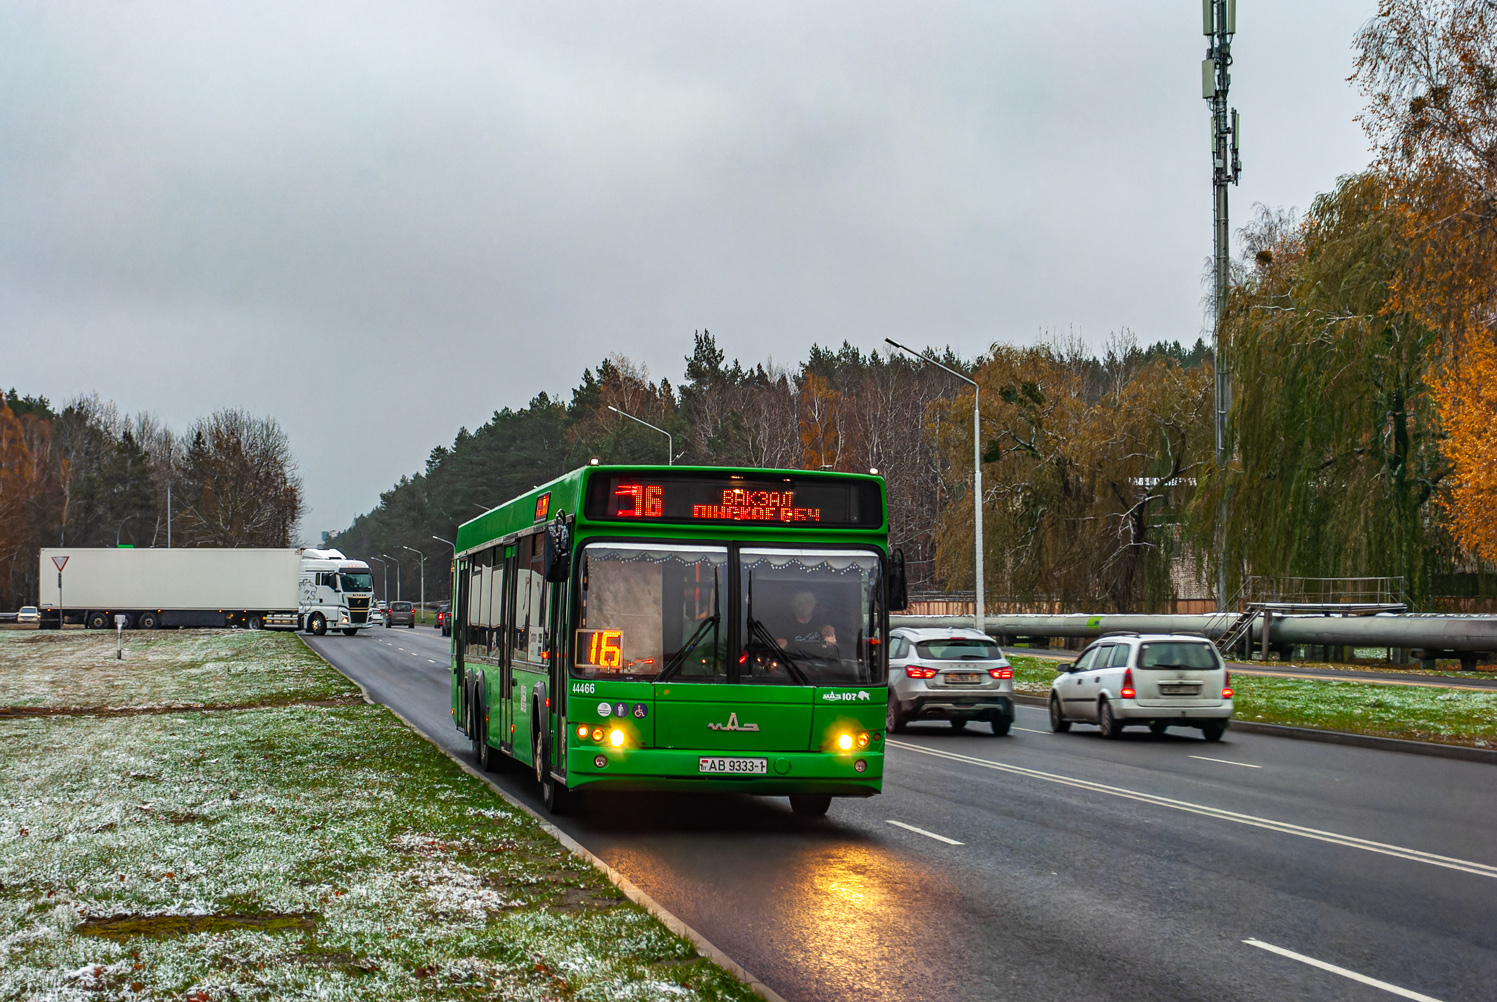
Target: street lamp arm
670,443
938,365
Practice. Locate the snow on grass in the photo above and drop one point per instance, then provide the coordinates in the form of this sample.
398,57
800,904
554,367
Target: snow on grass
324,851
77,668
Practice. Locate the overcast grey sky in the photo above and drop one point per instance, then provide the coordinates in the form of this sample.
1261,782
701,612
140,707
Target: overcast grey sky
380,221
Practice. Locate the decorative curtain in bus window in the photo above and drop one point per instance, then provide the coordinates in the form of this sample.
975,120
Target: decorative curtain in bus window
811,617
652,611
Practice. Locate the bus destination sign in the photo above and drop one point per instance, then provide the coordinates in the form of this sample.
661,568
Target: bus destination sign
791,502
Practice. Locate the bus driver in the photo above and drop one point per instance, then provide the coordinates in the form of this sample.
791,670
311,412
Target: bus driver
813,634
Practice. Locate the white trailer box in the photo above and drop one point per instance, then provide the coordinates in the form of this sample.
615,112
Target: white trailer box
171,587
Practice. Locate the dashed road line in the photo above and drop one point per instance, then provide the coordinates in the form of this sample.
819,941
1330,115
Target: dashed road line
1224,761
1353,975
922,831
1030,730
1283,827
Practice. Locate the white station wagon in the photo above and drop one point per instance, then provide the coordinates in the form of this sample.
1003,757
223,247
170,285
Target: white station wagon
1161,680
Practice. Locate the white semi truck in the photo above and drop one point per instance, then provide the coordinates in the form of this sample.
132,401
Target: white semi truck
314,590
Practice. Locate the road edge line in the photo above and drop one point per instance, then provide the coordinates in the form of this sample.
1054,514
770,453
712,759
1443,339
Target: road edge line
1431,749
627,887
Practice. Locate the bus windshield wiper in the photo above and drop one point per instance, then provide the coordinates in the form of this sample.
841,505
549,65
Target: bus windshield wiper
679,658
757,630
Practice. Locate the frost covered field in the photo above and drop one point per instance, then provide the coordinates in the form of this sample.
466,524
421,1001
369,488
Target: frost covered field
291,851
161,668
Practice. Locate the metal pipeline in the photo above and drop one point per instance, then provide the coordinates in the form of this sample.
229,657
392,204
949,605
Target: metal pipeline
1475,635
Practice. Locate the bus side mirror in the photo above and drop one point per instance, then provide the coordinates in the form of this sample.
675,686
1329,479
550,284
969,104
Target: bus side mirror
898,594
557,555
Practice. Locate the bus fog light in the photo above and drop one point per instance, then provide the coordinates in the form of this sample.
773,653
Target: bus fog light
616,738
844,741
860,766
600,761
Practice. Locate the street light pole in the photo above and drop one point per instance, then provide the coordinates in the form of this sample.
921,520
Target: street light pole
423,574
979,606
384,589
121,529
670,443
452,567
397,573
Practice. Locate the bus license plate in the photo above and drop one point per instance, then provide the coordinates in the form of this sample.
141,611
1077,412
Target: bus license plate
737,766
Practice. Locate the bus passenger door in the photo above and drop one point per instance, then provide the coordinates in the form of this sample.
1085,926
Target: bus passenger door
504,615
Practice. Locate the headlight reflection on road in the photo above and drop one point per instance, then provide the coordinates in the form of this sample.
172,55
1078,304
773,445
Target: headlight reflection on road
846,904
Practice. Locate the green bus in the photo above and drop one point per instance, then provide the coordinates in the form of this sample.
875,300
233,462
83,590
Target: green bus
680,628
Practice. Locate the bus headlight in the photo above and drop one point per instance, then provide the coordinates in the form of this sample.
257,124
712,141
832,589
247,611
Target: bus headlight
616,738
844,741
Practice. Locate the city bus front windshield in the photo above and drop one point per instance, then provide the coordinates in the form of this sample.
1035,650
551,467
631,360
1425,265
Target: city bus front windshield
356,581
811,617
652,612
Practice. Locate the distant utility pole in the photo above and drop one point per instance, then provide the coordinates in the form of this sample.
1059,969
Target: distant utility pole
1219,22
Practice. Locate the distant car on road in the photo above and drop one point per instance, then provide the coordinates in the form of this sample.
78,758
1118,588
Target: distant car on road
401,614
444,619
28,614
1163,680
948,674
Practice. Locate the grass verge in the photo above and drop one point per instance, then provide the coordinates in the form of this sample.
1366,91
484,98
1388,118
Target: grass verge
297,851
1414,713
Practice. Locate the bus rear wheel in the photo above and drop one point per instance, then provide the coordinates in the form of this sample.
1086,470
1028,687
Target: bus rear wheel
810,805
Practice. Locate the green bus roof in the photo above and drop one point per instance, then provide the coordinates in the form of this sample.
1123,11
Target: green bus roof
567,493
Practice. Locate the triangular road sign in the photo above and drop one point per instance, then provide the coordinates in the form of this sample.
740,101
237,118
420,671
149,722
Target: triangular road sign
61,562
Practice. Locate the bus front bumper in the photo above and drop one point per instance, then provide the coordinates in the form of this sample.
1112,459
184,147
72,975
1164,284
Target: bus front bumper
853,774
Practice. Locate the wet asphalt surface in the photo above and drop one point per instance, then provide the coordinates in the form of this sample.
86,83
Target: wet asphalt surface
1133,869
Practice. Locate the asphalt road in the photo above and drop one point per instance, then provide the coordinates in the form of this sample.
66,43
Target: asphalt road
1082,868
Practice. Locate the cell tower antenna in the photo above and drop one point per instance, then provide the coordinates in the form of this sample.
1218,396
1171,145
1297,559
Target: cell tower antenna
1219,22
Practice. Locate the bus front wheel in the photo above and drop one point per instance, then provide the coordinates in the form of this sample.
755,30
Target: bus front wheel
553,794
810,805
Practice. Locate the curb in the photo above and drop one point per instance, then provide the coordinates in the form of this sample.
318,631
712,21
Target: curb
1427,748
626,886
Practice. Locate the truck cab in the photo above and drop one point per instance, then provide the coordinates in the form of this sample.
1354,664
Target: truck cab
335,593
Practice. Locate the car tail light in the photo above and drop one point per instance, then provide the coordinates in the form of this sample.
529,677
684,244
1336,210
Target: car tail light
1227,687
1001,672
917,671
1127,691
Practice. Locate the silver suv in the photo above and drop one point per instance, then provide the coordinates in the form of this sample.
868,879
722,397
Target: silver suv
948,674
1158,679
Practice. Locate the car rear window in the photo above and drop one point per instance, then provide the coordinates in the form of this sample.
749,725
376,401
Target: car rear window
958,649
1172,654
400,607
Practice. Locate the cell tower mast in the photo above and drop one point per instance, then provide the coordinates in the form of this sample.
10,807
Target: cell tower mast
1219,22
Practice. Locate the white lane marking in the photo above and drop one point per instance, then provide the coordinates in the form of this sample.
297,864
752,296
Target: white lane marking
1030,730
1353,975
1284,827
430,661
1223,761
922,831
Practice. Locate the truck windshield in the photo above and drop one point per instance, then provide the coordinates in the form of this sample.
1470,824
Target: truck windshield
652,611
355,581
811,617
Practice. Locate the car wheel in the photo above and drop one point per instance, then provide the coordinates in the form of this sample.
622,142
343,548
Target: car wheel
1158,727
1001,725
318,624
894,721
958,725
1058,723
810,805
1213,731
387,624
411,625
1109,724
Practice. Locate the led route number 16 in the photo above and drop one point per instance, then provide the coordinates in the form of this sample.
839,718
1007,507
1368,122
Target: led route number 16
639,501
604,648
